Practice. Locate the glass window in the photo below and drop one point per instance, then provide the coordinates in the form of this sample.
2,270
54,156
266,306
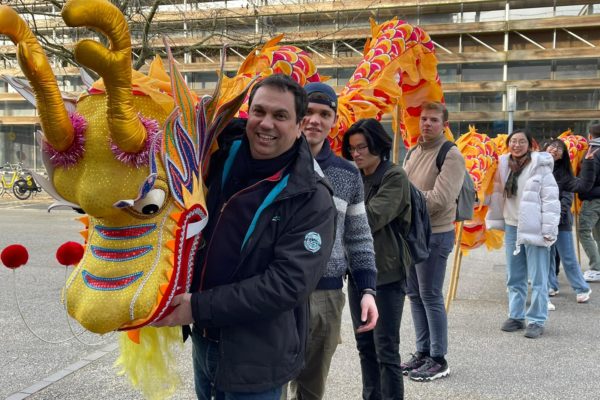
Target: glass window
445,18
571,10
71,83
545,100
544,130
344,75
529,70
493,15
531,13
448,73
452,101
576,69
482,72
17,144
202,80
481,101
17,109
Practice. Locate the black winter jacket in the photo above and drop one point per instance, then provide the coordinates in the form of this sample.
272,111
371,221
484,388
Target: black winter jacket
593,192
262,315
567,185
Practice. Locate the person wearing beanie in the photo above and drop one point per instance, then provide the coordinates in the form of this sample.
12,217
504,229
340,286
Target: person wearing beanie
352,251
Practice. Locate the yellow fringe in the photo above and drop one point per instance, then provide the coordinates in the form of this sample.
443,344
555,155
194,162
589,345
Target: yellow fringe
150,365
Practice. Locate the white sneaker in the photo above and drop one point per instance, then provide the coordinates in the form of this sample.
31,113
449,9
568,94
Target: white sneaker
592,275
584,297
551,307
552,292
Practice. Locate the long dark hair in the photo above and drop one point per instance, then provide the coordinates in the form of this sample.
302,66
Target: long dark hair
378,140
564,162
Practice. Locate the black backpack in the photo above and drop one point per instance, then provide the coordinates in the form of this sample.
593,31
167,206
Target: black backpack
467,197
419,233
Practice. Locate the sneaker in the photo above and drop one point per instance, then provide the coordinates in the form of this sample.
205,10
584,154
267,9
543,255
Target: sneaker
591,275
429,371
415,362
552,292
551,307
584,297
512,325
534,331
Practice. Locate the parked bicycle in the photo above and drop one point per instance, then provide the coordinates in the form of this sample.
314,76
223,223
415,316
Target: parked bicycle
23,188
9,174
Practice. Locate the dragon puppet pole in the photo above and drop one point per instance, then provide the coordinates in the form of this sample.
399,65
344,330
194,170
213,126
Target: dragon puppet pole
396,147
397,136
451,295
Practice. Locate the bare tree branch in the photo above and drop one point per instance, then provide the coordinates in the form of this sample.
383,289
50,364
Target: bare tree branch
146,51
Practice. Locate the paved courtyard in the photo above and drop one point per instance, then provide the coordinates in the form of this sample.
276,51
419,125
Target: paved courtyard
485,363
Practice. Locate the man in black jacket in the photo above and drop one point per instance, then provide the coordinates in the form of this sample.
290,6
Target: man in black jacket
270,233
589,220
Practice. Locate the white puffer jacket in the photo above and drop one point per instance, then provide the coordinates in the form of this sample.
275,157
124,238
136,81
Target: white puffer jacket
539,210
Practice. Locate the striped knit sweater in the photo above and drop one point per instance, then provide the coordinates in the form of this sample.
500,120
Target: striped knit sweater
353,247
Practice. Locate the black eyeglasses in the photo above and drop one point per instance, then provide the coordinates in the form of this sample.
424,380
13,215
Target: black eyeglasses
358,149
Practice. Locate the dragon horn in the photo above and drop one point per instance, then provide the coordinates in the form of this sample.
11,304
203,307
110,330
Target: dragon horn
113,65
58,131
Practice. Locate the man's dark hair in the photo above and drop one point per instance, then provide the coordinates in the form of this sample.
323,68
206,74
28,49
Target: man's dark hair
285,84
436,106
378,140
319,98
595,131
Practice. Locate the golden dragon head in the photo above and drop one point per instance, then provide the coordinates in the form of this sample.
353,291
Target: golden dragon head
129,155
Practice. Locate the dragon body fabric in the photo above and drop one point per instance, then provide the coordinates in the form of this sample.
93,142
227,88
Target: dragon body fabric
577,146
397,74
481,160
128,153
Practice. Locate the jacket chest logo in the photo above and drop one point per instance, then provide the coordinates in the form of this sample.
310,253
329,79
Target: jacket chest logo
312,242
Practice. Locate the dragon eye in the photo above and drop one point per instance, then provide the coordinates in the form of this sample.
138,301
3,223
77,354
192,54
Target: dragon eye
151,203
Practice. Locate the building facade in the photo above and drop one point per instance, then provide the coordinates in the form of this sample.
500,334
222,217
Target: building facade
531,64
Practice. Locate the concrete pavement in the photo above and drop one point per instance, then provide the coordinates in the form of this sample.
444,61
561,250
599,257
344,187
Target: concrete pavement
485,363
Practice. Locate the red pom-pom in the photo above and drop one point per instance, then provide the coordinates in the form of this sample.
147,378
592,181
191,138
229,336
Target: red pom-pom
14,256
69,253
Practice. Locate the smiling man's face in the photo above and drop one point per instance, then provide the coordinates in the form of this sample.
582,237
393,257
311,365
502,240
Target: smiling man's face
272,128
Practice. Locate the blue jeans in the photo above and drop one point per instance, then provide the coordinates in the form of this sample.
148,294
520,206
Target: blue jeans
205,355
379,349
566,251
533,263
424,288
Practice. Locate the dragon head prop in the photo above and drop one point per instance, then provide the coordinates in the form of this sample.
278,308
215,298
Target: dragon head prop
128,153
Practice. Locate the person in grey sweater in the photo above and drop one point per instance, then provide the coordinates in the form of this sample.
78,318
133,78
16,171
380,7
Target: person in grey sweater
352,251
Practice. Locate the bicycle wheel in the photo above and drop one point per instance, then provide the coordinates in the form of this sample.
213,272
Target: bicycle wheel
20,190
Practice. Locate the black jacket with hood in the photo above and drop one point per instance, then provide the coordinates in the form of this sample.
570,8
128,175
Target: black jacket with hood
261,311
